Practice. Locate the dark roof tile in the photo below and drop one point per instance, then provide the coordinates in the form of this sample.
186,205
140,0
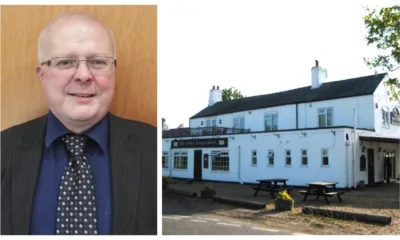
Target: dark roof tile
330,90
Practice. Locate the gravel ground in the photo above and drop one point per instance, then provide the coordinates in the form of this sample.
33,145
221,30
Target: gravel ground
382,200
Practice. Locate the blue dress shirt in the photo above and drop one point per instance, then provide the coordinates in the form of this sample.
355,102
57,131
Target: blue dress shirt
55,160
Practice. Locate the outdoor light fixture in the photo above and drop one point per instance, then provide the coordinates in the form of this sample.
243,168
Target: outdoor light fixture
277,135
233,138
334,132
253,136
304,134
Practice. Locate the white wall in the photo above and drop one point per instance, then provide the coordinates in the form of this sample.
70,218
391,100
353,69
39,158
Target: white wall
378,157
307,115
381,97
179,173
293,140
342,112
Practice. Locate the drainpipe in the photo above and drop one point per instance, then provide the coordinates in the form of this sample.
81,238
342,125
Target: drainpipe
354,145
170,162
297,116
240,180
347,164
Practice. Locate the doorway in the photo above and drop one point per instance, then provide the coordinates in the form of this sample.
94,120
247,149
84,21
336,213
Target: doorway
371,168
197,165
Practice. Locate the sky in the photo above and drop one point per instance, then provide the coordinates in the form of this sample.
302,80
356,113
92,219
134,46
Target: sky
259,47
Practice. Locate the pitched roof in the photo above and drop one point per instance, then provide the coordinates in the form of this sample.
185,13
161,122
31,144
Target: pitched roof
330,90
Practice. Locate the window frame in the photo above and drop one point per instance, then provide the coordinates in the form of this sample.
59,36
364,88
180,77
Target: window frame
254,157
239,118
180,155
269,157
288,157
166,165
325,113
271,115
304,156
323,155
222,156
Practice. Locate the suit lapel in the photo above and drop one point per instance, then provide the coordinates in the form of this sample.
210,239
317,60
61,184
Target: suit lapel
125,169
25,170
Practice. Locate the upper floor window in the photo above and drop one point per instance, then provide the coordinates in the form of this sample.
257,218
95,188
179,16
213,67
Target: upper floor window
271,122
211,122
385,117
238,122
325,117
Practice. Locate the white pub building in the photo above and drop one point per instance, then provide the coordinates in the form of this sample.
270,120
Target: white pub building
344,131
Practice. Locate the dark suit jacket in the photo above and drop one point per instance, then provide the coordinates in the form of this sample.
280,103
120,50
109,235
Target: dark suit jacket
133,157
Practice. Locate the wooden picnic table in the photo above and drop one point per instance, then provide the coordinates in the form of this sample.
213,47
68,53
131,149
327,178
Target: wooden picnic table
272,186
322,189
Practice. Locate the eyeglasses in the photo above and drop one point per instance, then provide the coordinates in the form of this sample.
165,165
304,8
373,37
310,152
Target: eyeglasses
96,64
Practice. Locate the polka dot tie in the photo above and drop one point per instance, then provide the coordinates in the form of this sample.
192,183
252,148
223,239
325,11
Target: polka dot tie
76,209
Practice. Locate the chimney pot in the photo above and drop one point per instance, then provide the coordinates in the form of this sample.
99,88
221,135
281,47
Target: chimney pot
218,87
213,87
316,63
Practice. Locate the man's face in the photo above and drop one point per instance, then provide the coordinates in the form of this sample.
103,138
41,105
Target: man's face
77,95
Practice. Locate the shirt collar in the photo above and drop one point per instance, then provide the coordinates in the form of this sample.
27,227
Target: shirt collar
98,133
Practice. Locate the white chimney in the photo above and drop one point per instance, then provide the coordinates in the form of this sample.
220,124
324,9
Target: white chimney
318,75
215,96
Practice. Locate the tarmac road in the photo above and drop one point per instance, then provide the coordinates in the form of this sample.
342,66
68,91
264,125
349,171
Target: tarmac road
181,216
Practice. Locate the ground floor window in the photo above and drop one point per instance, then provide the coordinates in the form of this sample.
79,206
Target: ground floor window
363,163
288,157
271,157
325,157
304,157
165,160
220,161
254,157
180,160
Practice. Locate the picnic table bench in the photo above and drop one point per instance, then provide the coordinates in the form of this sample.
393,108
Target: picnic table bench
322,189
272,186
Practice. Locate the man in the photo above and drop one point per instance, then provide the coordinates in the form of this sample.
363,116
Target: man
79,169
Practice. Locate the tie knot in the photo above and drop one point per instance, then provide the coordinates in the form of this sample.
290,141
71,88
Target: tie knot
75,144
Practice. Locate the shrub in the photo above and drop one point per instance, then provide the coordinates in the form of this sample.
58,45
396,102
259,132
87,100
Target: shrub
284,196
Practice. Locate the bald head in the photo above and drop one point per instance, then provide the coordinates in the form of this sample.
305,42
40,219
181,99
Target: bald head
74,27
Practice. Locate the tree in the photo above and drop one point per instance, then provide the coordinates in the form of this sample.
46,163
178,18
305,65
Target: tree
180,125
164,124
383,28
231,93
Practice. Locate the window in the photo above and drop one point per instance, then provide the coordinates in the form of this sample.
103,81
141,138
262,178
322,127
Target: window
238,122
385,117
325,117
180,160
363,163
271,157
271,122
304,157
254,157
165,160
219,161
288,158
325,157
211,122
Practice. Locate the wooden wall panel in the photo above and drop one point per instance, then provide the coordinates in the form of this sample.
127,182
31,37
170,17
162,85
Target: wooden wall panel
135,30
